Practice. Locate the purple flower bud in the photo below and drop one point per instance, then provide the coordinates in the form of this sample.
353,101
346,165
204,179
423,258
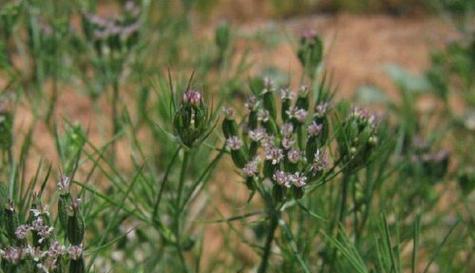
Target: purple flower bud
192,97
251,103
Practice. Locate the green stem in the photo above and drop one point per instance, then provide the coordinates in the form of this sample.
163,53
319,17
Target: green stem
274,220
182,177
115,120
178,211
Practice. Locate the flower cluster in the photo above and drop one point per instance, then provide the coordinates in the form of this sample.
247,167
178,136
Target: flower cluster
34,243
285,144
357,137
111,35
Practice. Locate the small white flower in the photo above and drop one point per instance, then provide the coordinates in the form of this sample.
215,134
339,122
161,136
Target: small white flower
314,129
281,178
321,109
286,94
75,252
234,143
63,184
228,113
251,168
303,91
257,134
273,154
301,115
287,143
251,103
263,115
294,155
22,231
299,180
320,161
287,129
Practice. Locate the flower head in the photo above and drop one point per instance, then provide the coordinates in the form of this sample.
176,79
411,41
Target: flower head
192,97
234,143
314,129
273,154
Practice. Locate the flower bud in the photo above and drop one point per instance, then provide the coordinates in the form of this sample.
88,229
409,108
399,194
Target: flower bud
191,121
75,231
310,52
268,100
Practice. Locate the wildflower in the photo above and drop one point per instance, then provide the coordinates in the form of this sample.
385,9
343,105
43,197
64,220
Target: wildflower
320,161
234,143
314,129
251,168
192,97
285,94
56,250
75,252
299,180
273,154
22,231
13,255
263,115
228,113
294,155
63,184
281,178
287,129
303,91
267,141
321,109
287,143
251,103
257,134
301,115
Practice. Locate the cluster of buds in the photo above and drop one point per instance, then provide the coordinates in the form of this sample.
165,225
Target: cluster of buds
357,137
192,118
113,36
33,246
310,52
287,148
